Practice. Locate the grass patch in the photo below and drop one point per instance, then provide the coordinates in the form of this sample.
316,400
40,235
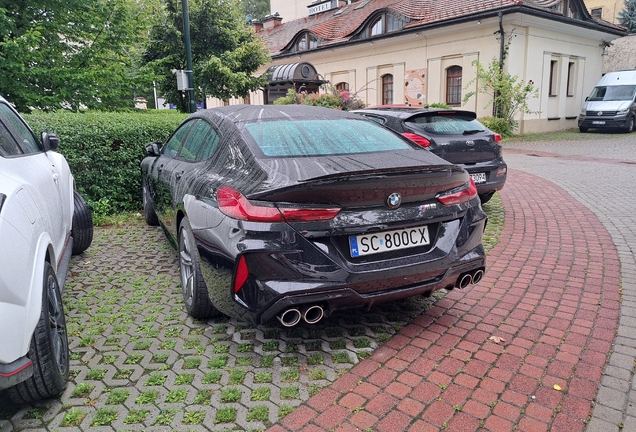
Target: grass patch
213,377
231,394
178,395
194,417
73,418
258,413
289,392
260,394
82,390
104,417
225,415
262,377
149,396
117,396
136,416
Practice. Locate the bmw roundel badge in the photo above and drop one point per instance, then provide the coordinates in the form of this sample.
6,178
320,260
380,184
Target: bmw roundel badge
394,200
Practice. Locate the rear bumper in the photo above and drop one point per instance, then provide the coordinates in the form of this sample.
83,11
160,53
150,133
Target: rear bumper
289,270
15,372
493,181
346,298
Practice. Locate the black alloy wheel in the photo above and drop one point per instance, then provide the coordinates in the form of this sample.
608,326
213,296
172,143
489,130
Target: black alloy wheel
49,348
193,287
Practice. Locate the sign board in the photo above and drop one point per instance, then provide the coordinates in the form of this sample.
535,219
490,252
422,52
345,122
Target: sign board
415,87
323,6
182,80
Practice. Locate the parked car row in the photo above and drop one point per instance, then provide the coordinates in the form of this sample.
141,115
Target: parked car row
43,221
277,212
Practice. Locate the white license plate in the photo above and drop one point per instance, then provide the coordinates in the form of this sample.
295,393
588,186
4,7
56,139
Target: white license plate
598,122
478,177
388,241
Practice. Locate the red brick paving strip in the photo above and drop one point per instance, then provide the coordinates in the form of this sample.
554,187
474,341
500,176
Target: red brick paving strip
551,292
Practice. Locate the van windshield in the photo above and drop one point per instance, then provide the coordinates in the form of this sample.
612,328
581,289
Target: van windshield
613,93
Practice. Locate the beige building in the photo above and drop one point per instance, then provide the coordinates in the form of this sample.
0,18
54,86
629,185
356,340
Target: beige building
423,51
605,9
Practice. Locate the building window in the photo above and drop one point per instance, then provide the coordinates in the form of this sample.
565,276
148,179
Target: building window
387,89
343,86
306,42
597,13
377,26
571,70
385,23
454,85
553,78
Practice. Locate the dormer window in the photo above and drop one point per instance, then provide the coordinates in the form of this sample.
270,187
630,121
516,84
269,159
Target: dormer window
385,23
306,42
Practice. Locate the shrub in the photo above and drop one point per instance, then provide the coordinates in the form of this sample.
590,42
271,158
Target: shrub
104,151
496,124
331,98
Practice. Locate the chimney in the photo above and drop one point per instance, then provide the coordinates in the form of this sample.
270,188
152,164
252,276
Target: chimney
271,21
256,25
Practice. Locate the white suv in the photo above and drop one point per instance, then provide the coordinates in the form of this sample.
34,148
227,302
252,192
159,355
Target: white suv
43,220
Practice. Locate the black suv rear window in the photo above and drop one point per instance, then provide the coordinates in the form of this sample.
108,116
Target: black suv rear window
445,124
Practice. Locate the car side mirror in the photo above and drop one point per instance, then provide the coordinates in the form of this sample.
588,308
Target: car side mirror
50,141
152,149
586,98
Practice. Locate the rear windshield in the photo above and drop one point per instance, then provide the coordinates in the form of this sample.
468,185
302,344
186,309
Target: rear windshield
613,93
296,138
444,124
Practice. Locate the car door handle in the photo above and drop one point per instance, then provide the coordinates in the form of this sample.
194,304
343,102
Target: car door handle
179,175
55,177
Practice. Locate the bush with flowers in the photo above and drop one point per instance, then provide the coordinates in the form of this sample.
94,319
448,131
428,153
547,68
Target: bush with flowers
331,98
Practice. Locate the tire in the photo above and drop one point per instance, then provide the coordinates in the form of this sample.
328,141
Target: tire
193,287
485,197
49,348
630,125
149,209
583,129
82,231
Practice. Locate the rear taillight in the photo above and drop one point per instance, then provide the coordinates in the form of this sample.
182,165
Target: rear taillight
241,274
417,139
233,204
497,137
460,196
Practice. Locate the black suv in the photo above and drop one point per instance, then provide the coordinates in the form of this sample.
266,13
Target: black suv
454,135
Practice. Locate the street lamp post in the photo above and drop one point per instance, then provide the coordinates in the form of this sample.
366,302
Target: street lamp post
186,35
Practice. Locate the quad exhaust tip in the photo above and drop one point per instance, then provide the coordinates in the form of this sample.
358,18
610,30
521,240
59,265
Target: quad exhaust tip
466,279
290,317
311,315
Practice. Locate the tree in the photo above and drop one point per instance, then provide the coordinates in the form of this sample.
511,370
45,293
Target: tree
509,95
627,16
255,9
70,54
225,51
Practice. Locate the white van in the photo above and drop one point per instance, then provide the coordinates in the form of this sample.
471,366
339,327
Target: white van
612,103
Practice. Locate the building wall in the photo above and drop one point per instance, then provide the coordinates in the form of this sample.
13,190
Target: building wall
533,47
290,9
610,8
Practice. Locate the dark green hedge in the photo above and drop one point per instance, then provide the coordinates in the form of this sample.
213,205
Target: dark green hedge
104,151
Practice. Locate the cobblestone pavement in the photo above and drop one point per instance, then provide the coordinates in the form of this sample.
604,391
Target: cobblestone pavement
599,174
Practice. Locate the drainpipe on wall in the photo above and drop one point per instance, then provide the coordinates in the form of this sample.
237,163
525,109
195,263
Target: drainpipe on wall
502,49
